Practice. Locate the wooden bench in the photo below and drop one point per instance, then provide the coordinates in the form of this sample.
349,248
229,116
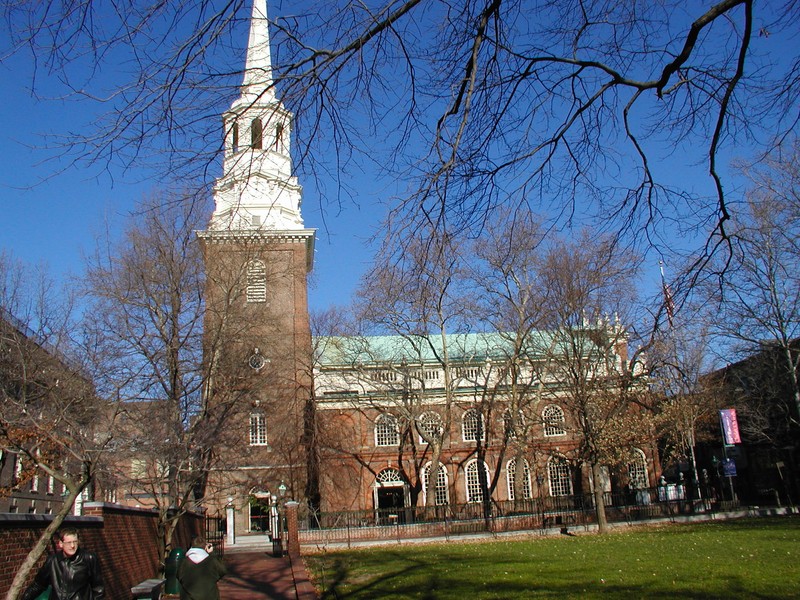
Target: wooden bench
149,589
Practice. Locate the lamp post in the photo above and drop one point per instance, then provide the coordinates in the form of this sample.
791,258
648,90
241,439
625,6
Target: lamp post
229,522
540,495
277,539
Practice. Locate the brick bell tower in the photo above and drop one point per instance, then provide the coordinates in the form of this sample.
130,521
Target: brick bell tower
257,337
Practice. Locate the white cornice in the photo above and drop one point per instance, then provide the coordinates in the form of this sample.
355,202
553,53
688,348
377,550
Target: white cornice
233,236
225,235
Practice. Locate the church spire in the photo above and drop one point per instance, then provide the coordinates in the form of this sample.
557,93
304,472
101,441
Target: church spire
258,64
258,189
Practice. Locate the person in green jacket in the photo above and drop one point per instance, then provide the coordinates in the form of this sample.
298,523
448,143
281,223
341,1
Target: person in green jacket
200,571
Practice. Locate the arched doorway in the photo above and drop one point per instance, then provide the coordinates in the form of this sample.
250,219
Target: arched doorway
391,497
260,505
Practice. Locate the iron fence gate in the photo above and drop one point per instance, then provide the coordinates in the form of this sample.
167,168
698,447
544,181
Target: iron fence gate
215,530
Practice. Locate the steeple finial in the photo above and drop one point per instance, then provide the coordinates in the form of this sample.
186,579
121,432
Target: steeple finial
258,64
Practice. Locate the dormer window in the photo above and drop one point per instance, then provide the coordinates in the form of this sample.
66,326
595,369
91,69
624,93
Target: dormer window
256,141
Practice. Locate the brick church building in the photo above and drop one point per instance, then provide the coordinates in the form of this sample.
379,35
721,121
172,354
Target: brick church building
258,254
358,423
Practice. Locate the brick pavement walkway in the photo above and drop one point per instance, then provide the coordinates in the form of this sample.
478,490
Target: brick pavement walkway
257,576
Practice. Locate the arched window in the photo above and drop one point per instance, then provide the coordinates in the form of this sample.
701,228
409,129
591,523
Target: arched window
442,496
553,418
511,471
429,426
235,136
473,482
560,476
386,431
637,471
389,478
278,137
472,428
256,281
258,429
256,135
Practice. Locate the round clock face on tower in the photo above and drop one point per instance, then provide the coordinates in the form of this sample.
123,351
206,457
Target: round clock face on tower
256,361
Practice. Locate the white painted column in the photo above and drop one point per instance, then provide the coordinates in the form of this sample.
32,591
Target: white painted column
230,524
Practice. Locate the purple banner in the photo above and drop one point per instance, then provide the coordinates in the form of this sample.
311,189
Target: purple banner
730,426
729,467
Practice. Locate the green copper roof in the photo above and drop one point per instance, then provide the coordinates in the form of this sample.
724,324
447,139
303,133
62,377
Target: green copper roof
467,347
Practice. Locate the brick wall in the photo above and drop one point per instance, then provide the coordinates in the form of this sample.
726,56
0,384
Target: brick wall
124,539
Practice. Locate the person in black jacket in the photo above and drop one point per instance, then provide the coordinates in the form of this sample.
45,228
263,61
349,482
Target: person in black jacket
71,572
200,571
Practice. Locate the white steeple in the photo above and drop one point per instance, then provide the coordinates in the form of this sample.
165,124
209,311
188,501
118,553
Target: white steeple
258,64
257,190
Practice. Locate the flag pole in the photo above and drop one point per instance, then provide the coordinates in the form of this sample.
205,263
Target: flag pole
669,303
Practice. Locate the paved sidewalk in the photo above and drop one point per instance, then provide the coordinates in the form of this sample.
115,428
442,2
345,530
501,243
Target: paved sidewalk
259,575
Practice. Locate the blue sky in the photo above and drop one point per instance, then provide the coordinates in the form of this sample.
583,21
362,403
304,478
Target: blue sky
54,221
51,211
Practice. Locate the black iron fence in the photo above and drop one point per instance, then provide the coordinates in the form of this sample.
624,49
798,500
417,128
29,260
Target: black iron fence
552,512
215,529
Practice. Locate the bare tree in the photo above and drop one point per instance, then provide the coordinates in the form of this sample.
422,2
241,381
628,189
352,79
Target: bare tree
376,378
146,320
569,289
589,294
50,416
758,290
755,299
508,297
685,399
567,107
417,298
327,327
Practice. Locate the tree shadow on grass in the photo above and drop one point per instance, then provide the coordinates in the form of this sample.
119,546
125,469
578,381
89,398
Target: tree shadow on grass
573,570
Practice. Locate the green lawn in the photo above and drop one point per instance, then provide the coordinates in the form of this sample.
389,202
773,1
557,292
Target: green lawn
747,558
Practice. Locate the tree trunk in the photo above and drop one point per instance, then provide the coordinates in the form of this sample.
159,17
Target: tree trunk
599,503
791,363
311,443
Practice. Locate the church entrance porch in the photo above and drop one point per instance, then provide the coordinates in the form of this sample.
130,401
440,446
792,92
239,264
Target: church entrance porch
391,498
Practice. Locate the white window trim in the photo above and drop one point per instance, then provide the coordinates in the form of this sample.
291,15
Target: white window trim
473,488
637,471
256,281
380,422
511,467
442,485
564,473
435,416
557,427
481,424
258,437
